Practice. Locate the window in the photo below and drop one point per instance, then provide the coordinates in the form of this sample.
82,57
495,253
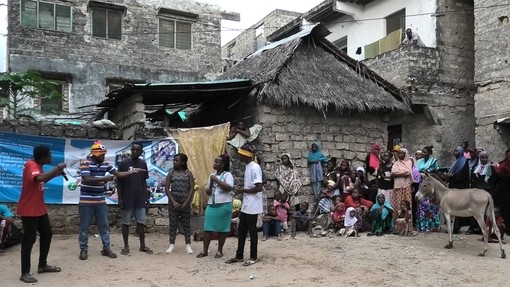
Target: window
396,21
44,15
174,34
50,106
341,44
106,23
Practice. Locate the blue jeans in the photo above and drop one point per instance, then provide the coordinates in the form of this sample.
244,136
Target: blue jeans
100,212
273,227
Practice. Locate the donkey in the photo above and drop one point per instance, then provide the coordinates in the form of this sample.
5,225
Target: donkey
465,203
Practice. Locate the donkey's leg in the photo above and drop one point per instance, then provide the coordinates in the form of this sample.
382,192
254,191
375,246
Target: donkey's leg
481,222
498,234
449,227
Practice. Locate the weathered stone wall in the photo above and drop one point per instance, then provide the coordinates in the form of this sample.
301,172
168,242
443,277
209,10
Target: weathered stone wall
246,43
439,82
492,75
92,61
293,130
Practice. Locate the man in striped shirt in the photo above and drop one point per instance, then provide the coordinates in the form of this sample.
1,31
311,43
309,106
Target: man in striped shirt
92,203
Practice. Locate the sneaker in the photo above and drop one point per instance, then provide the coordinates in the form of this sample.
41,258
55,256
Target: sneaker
3,252
188,249
170,249
83,255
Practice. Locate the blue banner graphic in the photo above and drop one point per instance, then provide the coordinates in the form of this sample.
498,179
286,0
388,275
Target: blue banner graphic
16,149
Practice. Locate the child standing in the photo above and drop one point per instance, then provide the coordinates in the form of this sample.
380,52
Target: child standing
282,208
179,188
403,224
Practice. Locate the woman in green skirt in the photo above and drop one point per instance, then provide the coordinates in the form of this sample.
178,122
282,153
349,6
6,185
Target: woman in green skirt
219,207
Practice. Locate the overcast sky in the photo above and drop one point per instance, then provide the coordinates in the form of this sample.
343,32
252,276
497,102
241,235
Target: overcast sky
250,11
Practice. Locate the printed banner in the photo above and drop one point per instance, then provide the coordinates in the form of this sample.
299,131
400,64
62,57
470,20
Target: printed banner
16,149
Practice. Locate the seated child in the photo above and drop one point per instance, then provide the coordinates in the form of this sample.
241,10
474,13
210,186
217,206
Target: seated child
338,215
282,208
349,223
300,220
272,224
326,203
403,224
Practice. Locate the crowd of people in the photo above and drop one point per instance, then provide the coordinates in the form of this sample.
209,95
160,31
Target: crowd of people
384,193
381,197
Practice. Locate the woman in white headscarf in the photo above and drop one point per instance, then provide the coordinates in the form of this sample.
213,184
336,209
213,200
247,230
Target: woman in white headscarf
288,179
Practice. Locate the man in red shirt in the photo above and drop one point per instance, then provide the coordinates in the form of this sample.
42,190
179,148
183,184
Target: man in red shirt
33,213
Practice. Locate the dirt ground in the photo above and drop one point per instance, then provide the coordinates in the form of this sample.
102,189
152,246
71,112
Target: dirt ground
327,261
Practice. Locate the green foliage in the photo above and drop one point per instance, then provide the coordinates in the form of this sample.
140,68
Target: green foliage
22,94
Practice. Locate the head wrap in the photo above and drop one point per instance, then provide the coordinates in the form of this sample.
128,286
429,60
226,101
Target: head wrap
236,205
349,220
247,150
459,163
373,161
97,149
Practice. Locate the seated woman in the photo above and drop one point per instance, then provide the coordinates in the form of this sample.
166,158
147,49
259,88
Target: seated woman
361,183
361,207
272,224
345,174
333,175
403,223
381,214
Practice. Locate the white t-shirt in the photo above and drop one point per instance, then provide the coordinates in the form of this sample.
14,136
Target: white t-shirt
252,202
220,196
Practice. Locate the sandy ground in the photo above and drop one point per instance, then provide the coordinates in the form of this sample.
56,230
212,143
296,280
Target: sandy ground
328,261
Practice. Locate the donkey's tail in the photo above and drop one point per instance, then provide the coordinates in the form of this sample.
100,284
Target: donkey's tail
490,217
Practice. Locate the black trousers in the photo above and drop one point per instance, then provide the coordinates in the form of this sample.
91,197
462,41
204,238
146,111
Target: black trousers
247,223
32,225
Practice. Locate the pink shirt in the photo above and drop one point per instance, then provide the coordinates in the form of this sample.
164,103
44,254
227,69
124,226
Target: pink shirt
281,210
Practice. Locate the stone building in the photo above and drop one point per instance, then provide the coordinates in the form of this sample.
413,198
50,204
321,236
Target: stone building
301,90
254,37
93,47
439,78
306,90
492,76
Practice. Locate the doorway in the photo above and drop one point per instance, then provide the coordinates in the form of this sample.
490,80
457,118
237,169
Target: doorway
394,136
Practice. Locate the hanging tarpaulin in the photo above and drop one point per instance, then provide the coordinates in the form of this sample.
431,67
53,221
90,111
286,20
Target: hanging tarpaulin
201,145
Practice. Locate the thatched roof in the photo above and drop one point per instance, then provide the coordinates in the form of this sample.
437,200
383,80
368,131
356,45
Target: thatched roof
307,69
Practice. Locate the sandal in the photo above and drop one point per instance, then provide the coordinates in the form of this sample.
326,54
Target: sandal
48,268
202,254
233,260
146,250
218,255
108,253
250,262
124,251
27,278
